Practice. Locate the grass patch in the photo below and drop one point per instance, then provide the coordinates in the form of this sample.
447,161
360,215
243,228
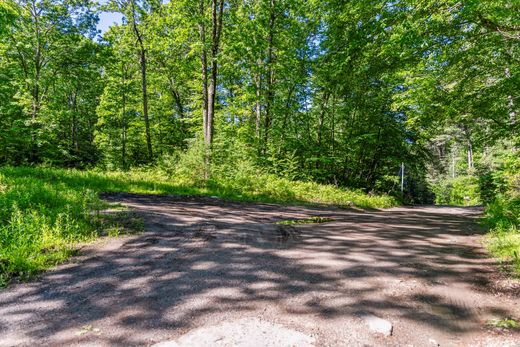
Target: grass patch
503,240
310,220
45,213
506,323
115,223
505,245
503,216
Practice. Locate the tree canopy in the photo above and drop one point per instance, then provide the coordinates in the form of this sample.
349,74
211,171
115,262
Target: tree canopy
330,91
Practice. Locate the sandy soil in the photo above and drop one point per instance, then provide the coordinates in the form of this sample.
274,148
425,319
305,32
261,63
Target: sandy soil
203,262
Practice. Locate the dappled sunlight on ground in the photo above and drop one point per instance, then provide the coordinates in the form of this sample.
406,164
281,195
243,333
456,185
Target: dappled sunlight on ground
202,261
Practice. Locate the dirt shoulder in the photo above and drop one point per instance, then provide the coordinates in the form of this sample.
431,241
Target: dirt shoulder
202,261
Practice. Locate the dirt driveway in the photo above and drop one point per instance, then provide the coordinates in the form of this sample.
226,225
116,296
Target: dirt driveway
202,262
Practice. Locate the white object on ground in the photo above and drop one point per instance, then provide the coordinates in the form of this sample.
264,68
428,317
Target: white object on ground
241,333
378,325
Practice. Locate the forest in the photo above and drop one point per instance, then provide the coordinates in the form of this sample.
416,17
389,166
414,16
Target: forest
366,103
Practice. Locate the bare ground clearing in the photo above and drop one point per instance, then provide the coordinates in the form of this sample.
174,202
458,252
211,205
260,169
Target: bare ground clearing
202,262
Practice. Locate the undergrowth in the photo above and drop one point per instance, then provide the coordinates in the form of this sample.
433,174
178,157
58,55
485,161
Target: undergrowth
46,212
504,236
503,216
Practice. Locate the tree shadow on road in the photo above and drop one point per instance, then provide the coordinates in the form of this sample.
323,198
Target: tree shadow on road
201,257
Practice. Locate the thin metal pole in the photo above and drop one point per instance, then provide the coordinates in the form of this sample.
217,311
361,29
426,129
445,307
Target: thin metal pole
402,177
453,167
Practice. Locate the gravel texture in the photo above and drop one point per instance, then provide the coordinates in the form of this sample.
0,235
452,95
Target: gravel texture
204,263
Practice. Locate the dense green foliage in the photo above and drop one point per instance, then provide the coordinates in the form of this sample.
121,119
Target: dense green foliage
462,190
266,99
333,92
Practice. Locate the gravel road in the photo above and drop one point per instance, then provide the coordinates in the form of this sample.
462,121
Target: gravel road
203,262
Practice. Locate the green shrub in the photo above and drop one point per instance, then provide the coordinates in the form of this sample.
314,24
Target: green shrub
460,191
190,168
465,191
502,215
442,190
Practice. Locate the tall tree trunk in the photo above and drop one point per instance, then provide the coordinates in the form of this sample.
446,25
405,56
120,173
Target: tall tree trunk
123,117
217,11
333,137
322,117
204,66
142,61
258,107
470,155
73,106
470,147
209,72
36,97
270,73
177,99
511,102
286,114
145,104
453,163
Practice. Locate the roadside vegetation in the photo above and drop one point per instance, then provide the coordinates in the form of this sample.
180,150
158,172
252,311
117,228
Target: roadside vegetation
310,220
503,215
491,180
46,212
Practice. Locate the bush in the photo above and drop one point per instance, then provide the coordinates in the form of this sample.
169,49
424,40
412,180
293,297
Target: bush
461,191
187,167
503,214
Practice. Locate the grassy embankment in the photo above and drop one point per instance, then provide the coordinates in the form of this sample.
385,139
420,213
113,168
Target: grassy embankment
503,216
45,213
503,240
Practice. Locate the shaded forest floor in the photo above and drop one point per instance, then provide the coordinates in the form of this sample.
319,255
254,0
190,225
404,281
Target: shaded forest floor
201,261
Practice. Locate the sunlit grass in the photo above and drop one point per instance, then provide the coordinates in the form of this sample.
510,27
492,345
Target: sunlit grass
505,245
505,323
310,220
503,240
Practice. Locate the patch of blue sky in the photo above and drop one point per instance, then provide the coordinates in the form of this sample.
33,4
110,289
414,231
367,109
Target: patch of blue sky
107,19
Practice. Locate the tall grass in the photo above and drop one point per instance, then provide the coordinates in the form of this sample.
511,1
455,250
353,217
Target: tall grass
503,215
41,217
45,213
